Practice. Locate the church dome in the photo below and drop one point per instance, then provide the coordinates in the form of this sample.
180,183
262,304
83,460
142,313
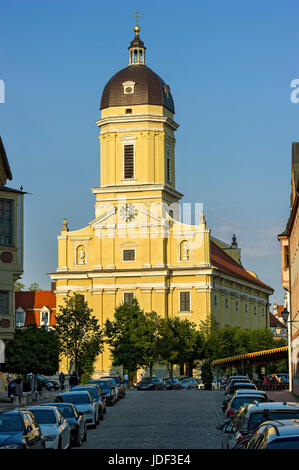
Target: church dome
149,88
137,83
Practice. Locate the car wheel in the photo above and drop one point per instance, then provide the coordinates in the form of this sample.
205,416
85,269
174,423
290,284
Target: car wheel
102,416
84,439
59,443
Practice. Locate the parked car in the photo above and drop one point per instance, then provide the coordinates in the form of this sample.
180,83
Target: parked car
93,390
189,383
119,383
283,434
173,384
84,404
236,380
113,385
236,386
284,377
107,391
241,398
75,419
20,430
42,382
54,426
249,417
151,383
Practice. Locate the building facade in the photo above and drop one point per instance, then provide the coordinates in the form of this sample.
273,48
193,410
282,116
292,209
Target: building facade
136,245
289,242
11,247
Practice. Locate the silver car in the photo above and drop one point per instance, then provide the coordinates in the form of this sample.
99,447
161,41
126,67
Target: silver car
84,403
53,425
249,417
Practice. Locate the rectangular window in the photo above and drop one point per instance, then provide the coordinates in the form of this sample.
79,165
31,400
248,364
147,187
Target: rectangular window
128,161
286,256
185,301
128,297
6,222
129,255
4,302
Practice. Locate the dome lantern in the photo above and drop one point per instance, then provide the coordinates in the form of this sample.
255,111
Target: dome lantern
137,49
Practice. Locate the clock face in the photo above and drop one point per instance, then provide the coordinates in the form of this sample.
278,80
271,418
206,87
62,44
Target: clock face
128,212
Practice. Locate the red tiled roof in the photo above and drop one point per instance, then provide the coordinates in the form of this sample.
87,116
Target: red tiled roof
275,322
227,265
35,299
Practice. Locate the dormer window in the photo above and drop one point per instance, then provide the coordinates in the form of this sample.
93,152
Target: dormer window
128,87
45,315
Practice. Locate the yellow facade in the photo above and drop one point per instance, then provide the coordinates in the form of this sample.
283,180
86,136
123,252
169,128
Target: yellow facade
136,244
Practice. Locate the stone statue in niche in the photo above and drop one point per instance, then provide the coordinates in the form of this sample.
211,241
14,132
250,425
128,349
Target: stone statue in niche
185,251
81,255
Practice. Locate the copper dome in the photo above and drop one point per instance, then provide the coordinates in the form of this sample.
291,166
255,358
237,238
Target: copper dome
149,88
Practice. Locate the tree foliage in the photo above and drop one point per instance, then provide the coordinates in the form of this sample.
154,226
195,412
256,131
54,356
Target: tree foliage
33,350
19,286
125,338
80,336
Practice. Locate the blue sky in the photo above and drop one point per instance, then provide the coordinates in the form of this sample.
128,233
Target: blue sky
229,66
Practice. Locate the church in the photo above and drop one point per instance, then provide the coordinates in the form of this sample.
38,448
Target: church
136,245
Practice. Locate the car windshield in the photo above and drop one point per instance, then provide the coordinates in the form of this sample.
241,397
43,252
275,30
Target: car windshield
243,401
92,390
256,418
44,416
285,443
10,423
104,385
116,379
76,398
67,411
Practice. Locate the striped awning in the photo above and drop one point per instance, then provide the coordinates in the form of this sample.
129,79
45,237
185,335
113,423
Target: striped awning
255,357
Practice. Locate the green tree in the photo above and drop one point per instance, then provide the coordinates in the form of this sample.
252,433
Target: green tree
33,350
34,286
19,286
125,339
149,336
179,342
80,335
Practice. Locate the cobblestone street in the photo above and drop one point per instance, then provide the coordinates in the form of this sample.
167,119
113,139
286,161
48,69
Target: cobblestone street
171,419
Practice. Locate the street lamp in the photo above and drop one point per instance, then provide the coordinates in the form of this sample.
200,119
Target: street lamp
278,331
285,315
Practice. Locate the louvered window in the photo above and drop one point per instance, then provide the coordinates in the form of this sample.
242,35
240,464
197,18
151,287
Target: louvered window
184,301
6,222
129,255
128,161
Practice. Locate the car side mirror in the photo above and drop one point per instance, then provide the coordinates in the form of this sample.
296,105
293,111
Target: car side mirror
29,429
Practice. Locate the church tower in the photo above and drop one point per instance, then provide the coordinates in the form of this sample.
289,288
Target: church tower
137,142
136,246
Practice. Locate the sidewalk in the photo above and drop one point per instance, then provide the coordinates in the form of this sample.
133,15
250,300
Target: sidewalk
47,397
282,395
